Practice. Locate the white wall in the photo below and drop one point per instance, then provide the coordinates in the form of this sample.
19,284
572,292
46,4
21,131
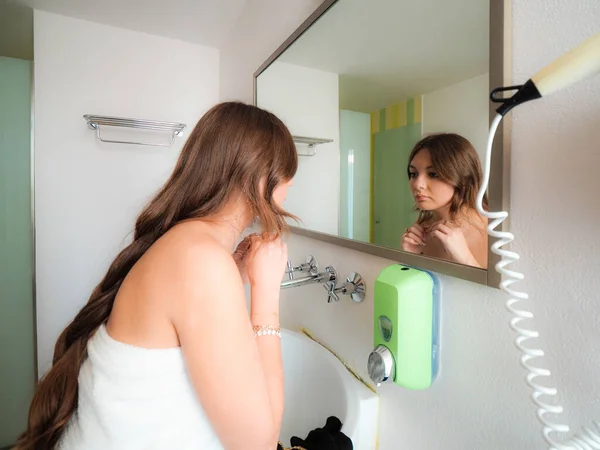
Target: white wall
480,399
88,194
307,101
262,27
461,108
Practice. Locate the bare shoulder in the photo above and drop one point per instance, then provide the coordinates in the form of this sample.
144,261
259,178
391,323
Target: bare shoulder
176,277
192,252
190,259
480,224
186,244
477,239
474,228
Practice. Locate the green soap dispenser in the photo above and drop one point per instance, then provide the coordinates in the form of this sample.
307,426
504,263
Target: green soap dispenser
406,327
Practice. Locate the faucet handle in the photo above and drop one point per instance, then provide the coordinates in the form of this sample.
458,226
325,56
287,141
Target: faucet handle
311,265
330,284
331,291
355,287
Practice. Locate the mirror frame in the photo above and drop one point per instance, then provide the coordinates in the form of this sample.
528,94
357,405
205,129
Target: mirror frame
499,186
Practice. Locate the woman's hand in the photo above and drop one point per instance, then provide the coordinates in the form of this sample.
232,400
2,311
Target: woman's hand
241,254
413,239
262,262
454,242
266,261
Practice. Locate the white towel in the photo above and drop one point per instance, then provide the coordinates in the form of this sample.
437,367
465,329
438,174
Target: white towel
132,398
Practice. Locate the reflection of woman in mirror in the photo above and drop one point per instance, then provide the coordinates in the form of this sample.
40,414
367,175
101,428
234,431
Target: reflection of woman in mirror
445,174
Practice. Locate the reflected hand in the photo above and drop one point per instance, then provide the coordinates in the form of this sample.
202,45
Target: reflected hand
454,242
413,239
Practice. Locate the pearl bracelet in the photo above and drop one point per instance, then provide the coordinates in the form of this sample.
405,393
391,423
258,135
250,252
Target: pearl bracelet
266,330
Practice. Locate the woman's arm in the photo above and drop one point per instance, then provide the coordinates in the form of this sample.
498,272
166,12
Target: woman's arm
479,248
237,377
269,348
265,265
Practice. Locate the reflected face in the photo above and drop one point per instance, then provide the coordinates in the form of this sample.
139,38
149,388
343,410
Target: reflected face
280,192
430,193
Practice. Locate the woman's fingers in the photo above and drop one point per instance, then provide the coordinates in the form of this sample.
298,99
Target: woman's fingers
439,234
415,236
441,226
418,231
412,241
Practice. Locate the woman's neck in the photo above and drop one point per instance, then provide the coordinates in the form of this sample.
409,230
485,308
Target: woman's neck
464,215
441,214
227,226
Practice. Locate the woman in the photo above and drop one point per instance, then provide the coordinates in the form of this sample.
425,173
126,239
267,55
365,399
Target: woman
165,353
445,175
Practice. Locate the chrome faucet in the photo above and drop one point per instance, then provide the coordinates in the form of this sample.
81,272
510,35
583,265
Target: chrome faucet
354,286
329,275
310,266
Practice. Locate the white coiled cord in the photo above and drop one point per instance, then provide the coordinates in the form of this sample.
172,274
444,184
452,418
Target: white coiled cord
587,439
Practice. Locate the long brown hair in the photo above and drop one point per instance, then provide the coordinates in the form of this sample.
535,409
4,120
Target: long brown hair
232,148
456,162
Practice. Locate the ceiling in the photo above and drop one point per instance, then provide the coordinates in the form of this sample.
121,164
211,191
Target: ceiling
387,51
206,22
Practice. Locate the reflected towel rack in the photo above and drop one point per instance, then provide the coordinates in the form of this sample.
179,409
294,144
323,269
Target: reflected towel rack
95,122
311,142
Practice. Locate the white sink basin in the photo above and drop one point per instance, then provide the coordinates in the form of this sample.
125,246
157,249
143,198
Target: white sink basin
317,385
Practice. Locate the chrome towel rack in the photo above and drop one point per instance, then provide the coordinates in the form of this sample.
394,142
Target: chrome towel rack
311,142
96,122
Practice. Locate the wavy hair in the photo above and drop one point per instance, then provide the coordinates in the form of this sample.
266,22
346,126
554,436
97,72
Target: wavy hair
231,149
456,162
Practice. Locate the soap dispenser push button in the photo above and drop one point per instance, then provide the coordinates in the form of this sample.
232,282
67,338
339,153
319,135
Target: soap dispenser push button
380,364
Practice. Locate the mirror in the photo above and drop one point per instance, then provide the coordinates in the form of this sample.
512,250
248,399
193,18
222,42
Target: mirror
359,85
